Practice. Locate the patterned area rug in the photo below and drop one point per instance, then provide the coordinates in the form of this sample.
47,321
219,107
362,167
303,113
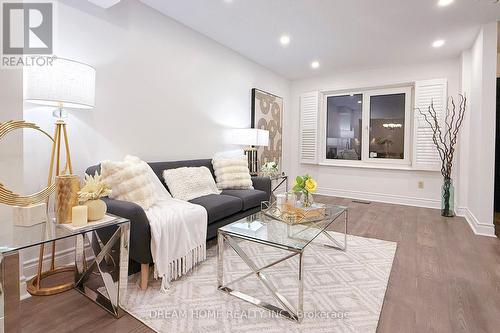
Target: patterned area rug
343,291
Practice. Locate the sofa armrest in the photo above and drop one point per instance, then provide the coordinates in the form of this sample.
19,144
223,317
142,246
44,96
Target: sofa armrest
140,232
262,184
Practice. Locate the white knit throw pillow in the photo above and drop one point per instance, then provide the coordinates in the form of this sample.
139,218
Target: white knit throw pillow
232,173
187,183
130,180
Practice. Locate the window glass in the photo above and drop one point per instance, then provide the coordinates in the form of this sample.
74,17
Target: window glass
387,132
343,133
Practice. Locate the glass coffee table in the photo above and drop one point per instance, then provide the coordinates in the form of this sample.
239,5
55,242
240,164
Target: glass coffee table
262,229
111,272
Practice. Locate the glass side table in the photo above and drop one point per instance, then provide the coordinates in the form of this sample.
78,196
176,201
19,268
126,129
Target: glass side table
277,183
113,273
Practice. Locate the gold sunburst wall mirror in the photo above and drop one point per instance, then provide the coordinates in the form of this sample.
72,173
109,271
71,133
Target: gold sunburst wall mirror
9,197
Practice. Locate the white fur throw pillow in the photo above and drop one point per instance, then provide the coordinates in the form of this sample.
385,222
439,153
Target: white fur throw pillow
187,183
130,180
232,173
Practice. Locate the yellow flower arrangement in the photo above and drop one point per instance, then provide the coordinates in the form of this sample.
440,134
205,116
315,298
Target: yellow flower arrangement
311,185
94,188
305,185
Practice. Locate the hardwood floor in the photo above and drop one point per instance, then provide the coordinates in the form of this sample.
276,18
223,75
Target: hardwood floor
444,278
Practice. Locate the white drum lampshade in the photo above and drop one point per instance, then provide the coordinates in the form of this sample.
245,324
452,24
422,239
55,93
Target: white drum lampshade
67,83
250,137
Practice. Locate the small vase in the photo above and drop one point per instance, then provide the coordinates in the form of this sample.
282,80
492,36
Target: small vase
306,199
447,198
96,209
67,187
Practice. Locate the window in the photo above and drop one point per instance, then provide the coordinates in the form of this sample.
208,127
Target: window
387,118
343,129
369,126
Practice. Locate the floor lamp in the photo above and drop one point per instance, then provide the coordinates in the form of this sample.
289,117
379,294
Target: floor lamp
64,84
251,138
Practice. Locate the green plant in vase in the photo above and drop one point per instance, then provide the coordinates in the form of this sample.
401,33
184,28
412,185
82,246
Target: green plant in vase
305,185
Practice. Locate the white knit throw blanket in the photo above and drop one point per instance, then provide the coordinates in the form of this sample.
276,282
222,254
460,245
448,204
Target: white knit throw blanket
178,235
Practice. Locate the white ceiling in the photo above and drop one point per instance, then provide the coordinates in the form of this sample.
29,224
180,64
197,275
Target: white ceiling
340,34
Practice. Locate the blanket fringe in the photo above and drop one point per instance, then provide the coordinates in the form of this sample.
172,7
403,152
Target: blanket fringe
183,265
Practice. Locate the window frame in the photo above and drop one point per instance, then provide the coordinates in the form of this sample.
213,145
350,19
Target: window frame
366,161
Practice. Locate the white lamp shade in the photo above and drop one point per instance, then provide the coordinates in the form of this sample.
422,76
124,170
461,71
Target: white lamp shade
66,83
250,137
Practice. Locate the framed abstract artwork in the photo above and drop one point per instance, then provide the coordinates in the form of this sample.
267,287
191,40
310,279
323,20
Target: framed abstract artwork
267,114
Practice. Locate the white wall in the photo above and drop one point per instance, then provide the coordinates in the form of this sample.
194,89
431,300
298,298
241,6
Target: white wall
163,91
396,186
11,145
477,157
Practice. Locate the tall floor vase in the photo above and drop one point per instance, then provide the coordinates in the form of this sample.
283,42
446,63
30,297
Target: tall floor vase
447,198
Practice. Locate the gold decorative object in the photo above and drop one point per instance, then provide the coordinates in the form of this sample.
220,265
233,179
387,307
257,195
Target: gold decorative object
294,215
10,198
96,209
67,187
90,195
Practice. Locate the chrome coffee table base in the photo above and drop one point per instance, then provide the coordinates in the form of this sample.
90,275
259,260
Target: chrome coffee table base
113,275
286,309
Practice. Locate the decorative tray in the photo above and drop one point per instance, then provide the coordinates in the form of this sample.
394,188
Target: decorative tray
69,226
294,215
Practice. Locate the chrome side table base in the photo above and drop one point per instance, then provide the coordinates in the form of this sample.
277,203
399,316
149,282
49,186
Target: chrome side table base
112,275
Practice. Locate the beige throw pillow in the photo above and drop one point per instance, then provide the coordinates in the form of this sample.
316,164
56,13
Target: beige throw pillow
232,173
187,183
130,180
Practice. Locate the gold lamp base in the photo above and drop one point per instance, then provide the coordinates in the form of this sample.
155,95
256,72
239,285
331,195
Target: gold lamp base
34,285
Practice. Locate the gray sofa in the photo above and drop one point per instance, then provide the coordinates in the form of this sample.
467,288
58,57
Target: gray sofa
224,208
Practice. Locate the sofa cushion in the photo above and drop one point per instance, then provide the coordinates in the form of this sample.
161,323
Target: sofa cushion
250,198
187,183
232,173
219,206
130,180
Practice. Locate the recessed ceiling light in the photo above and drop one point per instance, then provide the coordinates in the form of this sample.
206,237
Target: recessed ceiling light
359,102
444,3
284,40
315,64
438,43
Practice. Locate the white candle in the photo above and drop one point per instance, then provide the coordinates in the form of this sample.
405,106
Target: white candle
79,216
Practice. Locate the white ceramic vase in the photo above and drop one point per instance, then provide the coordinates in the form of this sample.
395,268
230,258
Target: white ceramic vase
96,209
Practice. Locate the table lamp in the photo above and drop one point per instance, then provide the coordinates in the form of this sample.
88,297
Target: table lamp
64,84
251,138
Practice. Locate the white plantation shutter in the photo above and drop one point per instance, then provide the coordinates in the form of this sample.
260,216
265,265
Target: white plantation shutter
309,107
425,154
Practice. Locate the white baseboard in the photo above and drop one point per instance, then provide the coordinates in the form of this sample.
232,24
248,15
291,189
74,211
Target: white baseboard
477,227
379,197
